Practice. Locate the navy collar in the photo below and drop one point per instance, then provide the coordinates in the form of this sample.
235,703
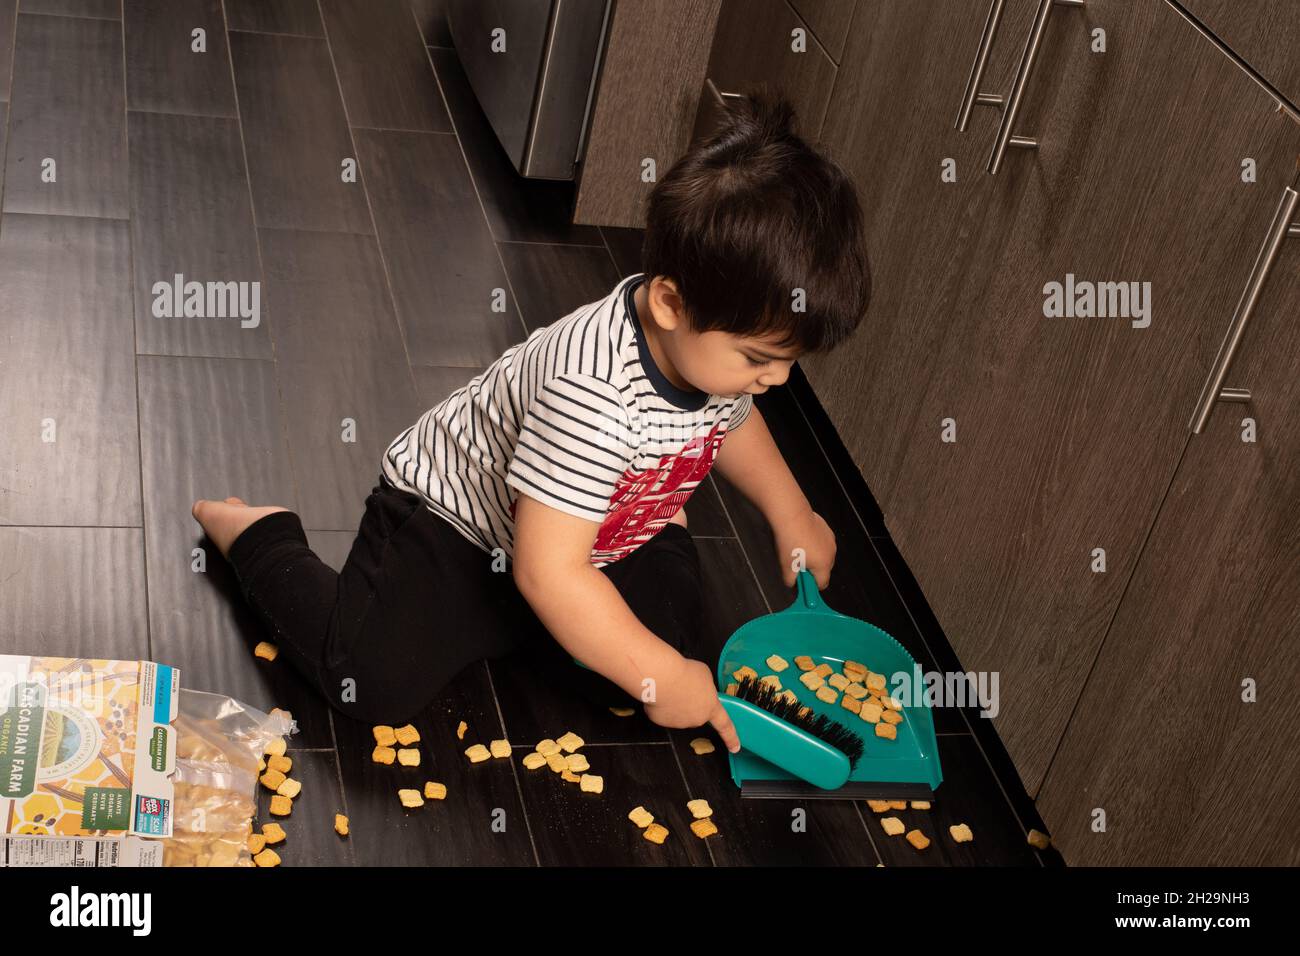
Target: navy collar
689,400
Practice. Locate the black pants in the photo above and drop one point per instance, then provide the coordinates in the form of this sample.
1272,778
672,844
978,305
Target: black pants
416,602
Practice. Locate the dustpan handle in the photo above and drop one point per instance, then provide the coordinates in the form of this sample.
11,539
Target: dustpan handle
808,598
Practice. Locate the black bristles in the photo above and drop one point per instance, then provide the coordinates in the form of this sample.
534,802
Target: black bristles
820,726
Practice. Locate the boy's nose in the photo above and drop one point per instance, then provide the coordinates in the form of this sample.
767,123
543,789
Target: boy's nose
774,378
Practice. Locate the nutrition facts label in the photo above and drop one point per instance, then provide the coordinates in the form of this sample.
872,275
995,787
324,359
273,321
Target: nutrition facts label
79,851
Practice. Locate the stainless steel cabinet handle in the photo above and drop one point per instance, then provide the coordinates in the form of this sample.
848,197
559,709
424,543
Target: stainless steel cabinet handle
720,97
1013,101
972,95
1213,390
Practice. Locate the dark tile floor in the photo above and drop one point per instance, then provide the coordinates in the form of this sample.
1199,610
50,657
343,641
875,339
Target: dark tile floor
377,301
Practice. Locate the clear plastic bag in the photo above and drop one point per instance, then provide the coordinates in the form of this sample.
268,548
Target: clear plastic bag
219,743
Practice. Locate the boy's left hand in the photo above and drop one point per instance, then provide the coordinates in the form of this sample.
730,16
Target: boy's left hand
810,532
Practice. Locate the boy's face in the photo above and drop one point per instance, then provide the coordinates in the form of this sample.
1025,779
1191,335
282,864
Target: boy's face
718,363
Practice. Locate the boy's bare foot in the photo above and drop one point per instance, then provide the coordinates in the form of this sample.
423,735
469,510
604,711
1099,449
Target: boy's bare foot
224,521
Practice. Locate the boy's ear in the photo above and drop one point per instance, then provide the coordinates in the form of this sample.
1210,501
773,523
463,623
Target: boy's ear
666,306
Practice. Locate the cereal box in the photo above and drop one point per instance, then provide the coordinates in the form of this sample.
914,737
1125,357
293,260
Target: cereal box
86,751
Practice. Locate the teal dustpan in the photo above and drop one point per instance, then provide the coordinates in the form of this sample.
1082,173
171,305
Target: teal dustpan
779,759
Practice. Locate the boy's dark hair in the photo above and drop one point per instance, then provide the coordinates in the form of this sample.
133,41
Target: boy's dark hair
750,214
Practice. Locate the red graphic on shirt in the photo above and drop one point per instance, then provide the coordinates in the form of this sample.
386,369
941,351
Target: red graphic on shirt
643,501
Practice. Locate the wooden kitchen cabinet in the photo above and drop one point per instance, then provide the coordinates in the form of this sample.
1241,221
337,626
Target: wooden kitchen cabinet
1186,772
1264,33
753,44
1069,430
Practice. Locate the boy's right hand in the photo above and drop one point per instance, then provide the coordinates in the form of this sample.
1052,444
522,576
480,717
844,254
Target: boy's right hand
690,699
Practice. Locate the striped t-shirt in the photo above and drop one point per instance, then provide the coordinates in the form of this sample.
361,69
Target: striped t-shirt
578,417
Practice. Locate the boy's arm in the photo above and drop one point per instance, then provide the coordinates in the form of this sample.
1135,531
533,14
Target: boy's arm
750,460
589,618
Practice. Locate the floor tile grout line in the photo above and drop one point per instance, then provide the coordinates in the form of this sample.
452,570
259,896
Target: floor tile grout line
866,828
473,182
912,617
558,245
271,33
9,104
261,267
71,16
686,785
514,772
401,129
342,790
338,771
190,114
64,215
77,527
370,208
135,343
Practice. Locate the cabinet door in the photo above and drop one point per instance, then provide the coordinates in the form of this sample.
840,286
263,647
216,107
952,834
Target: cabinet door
1264,33
753,44
1069,429
1162,741
891,125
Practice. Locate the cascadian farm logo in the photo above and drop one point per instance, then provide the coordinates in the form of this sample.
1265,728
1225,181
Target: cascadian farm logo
1102,300
208,300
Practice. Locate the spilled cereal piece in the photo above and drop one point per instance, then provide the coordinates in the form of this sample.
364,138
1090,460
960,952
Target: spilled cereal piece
407,735
266,651
267,858
408,757
340,824
280,763
460,730
410,798
886,730
384,735
917,839
534,760
477,753
500,748
699,808
274,833
777,663
570,742
655,833
892,825
591,783
704,827
435,791
641,817
961,833
577,763
702,746
290,788
281,806
385,755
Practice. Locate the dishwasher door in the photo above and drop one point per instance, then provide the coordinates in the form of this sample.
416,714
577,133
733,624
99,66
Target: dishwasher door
533,67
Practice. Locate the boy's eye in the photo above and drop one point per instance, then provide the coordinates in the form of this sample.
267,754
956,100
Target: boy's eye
754,361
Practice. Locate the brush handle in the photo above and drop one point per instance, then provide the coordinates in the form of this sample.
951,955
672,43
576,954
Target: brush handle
785,745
